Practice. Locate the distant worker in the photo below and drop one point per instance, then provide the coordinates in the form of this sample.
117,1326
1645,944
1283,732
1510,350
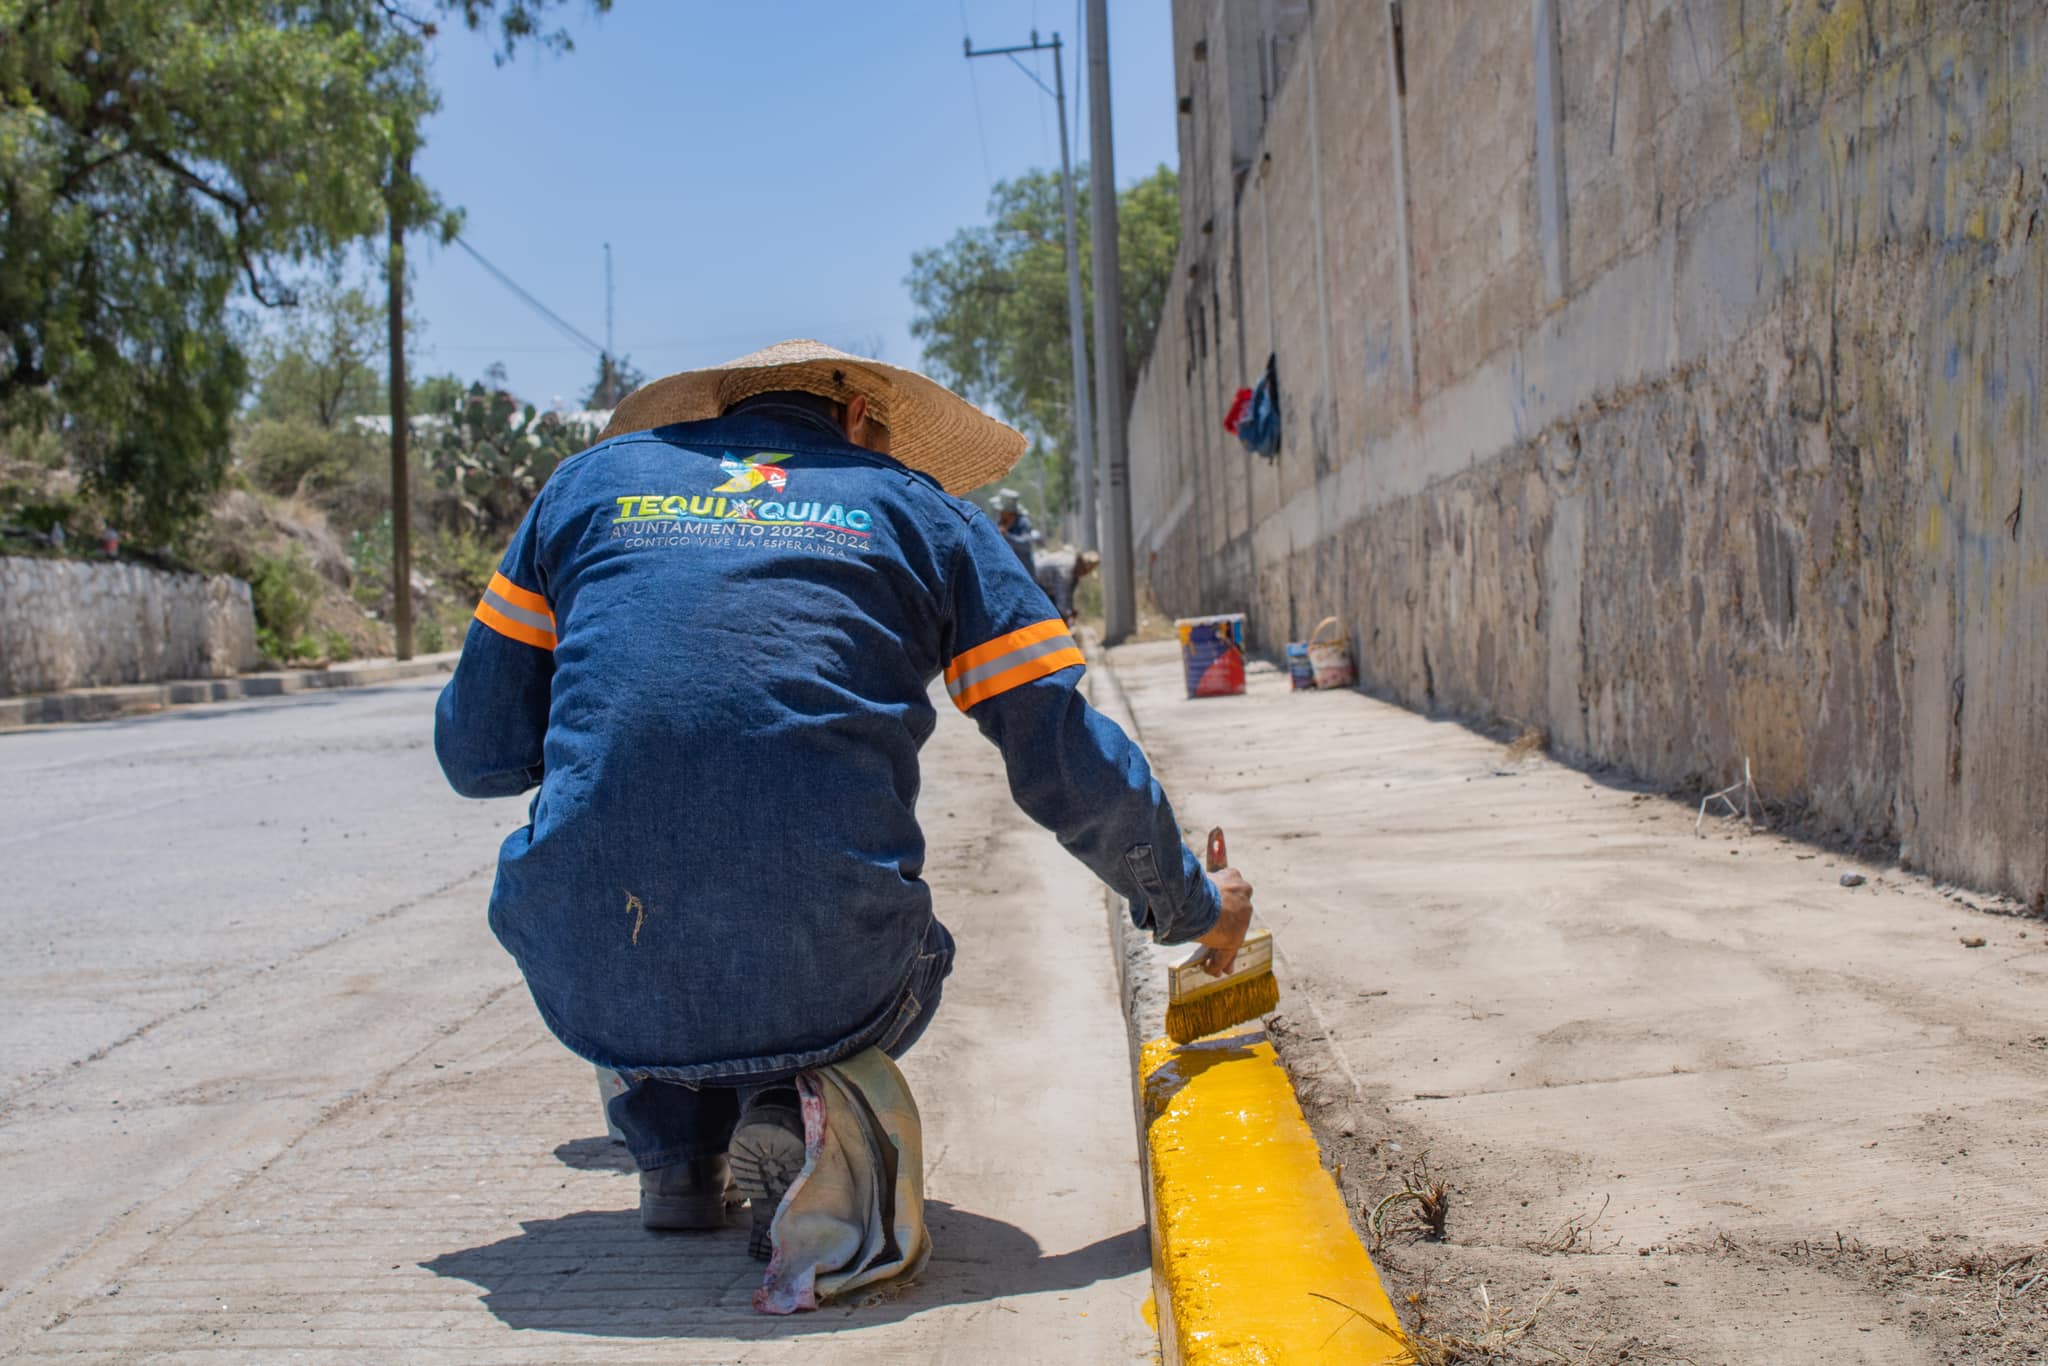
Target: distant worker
1059,573
712,647
1008,506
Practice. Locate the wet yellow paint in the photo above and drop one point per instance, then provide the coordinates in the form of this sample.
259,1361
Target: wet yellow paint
1150,1309
1255,1250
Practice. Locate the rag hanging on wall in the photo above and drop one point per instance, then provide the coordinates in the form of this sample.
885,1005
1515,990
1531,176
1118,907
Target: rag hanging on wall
1254,416
1238,407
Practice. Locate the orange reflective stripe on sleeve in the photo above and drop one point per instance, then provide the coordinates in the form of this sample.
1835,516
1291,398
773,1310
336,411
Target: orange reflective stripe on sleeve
517,613
520,597
1010,661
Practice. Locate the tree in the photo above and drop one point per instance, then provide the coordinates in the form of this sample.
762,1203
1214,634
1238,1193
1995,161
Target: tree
992,304
315,372
617,376
436,395
159,156
321,366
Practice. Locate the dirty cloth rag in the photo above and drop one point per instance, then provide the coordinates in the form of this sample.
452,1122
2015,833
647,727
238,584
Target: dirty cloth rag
855,1214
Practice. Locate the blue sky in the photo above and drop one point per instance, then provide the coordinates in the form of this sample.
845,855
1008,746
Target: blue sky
762,170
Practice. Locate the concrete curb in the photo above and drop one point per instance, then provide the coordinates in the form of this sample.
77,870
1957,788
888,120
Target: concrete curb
102,704
1254,1258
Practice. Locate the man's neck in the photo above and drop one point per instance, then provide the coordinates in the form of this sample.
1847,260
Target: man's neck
794,409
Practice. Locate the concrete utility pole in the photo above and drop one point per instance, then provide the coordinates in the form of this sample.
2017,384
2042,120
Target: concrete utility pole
1084,435
1119,595
401,481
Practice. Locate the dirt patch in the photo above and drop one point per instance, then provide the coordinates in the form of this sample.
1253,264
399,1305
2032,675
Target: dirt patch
246,531
1968,1300
1477,1276
1458,1302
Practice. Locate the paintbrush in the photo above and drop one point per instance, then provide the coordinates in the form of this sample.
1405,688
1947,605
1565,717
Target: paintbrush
1198,1004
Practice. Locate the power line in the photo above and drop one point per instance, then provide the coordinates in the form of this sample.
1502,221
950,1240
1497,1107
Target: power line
657,343
566,327
1037,75
980,129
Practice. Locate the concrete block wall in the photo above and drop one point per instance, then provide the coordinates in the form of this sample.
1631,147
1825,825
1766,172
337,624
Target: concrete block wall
1753,484
79,624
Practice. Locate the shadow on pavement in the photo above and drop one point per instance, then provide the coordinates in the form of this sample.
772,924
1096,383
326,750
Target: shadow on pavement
601,1154
599,1272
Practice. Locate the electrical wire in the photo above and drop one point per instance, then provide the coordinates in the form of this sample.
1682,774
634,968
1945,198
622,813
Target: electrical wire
567,328
981,129
1038,75
646,344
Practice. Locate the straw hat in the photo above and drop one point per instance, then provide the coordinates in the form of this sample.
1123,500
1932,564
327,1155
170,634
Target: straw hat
931,428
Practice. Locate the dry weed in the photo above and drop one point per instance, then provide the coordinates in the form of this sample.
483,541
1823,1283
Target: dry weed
1491,1339
1431,1197
1531,741
1576,1235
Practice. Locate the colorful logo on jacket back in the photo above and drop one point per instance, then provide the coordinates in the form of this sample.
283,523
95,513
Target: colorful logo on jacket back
726,517
751,473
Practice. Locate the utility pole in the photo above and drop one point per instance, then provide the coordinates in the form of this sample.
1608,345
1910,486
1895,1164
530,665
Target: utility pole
1084,436
401,482
1119,596
607,364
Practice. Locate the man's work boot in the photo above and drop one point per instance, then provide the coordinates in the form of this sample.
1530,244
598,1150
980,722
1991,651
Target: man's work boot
686,1195
767,1154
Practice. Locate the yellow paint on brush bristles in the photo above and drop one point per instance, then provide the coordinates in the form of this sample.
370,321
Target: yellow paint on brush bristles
1199,1005
1232,1003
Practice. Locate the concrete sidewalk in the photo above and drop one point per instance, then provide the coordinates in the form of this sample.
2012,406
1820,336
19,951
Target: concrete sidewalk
1691,1096
371,1150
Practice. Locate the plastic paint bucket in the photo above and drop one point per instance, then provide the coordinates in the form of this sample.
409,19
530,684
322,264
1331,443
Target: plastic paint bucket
1212,654
1301,675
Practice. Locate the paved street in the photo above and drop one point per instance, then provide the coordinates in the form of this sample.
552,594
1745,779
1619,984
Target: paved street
267,1085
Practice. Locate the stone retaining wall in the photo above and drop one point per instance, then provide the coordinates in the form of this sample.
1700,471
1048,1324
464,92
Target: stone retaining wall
1686,406
77,624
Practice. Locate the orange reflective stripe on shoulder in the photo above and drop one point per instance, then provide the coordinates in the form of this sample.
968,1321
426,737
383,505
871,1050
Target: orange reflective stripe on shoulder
1010,661
517,613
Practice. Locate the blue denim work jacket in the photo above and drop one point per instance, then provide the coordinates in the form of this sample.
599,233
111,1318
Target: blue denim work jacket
710,647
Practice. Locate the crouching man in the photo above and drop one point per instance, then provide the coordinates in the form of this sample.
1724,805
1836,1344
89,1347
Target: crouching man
709,649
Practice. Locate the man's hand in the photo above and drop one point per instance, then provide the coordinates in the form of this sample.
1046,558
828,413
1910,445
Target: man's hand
1228,933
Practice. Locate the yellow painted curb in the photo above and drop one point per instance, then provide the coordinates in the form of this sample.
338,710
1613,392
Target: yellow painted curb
1255,1262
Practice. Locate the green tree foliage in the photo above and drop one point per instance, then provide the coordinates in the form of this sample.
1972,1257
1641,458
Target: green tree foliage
436,395
617,376
992,302
282,590
294,457
316,371
322,365
157,156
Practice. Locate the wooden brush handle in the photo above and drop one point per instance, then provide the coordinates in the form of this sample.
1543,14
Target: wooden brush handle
1218,857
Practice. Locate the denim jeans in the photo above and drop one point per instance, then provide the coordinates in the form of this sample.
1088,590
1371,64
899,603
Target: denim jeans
666,1122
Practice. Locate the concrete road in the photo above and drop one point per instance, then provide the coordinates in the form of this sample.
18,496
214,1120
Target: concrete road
267,1083
1687,1093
